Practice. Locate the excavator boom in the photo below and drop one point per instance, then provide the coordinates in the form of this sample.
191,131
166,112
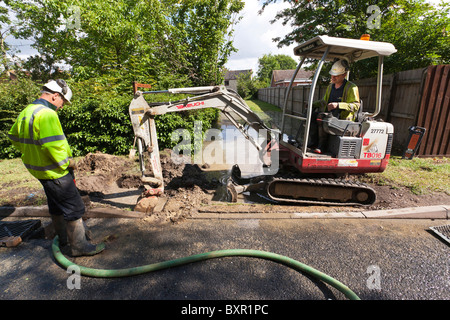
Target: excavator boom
228,102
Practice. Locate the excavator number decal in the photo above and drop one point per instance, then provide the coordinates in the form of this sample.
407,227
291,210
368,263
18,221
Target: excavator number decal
190,105
373,155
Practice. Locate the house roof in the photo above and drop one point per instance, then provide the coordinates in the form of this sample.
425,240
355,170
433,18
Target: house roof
233,74
286,75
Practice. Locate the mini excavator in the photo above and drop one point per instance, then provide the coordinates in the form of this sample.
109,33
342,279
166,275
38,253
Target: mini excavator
292,174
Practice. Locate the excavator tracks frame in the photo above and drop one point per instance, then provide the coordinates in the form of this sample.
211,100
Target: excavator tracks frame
286,188
321,191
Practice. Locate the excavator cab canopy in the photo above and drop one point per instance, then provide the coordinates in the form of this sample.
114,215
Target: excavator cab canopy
343,48
325,48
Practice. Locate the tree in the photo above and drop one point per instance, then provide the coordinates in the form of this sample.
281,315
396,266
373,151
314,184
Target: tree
204,29
106,36
420,32
407,24
165,42
247,86
270,62
4,32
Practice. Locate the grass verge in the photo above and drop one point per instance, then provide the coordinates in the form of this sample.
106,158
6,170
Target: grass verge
18,186
259,106
263,110
420,175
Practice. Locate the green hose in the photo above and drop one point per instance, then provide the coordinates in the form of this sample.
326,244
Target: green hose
296,265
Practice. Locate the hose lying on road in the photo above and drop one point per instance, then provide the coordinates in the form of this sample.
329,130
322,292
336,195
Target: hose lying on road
294,264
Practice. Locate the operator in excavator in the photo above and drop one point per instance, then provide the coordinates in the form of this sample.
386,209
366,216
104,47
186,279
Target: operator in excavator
341,99
38,135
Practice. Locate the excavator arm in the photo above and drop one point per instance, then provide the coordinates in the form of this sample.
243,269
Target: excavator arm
228,102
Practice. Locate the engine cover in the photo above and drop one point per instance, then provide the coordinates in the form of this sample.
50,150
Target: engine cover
376,139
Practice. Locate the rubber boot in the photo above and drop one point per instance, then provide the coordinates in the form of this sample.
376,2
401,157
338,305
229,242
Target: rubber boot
87,232
79,245
60,226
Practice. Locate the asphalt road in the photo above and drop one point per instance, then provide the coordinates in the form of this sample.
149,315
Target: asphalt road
394,259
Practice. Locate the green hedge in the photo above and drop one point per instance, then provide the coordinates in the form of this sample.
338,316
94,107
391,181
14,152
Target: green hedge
14,95
97,120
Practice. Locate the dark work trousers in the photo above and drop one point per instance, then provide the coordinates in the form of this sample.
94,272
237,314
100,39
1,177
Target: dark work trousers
317,135
63,198
313,138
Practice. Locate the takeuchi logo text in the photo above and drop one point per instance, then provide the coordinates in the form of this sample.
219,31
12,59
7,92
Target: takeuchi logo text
190,105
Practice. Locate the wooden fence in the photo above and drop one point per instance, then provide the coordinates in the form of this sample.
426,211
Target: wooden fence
434,112
417,97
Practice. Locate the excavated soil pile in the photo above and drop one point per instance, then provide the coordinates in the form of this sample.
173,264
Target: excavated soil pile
186,188
97,172
101,176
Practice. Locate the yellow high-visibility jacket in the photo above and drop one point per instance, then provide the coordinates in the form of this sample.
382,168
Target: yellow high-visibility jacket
349,105
38,134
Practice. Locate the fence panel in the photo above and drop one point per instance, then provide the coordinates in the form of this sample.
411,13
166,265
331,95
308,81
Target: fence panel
434,112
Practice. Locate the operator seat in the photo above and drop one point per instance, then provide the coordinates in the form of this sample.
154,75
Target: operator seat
337,127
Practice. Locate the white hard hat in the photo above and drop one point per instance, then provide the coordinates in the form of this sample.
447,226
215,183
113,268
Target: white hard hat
61,87
339,67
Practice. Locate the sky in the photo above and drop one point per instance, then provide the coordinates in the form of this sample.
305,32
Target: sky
254,33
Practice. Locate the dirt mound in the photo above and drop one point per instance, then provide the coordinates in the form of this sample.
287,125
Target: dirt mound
100,162
96,172
186,187
103,176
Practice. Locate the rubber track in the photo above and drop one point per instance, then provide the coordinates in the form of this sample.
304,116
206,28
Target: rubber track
324,183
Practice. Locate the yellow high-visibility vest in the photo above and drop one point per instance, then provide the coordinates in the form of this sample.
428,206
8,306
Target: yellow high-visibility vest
349,105
38,134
